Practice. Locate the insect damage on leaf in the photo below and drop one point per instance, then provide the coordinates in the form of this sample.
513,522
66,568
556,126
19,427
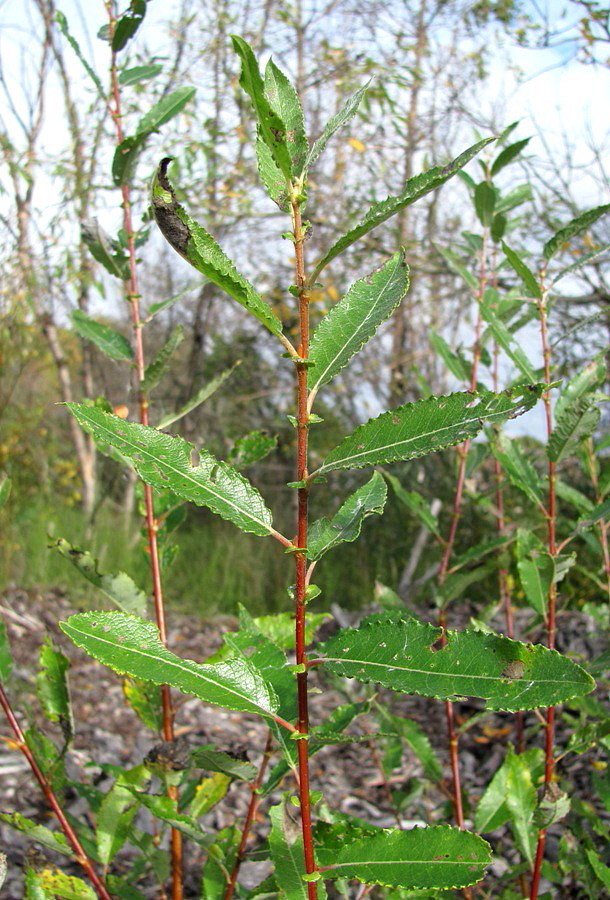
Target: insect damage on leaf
165,209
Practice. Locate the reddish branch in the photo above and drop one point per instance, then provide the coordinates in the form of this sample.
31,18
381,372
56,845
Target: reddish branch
301,544
133,296
551,518
255,799
70,834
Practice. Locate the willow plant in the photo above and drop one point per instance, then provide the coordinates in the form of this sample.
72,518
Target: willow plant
254,673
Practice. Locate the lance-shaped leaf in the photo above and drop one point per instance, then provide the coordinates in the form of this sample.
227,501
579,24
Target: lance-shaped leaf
199,248
117,811
584,383
355,319
137,74
119,588
438,857
251,448
575,424
106,339
213,760
521,802
485,202
414,189
274,181
518,468
165,463
403,654
52,688
580,262
284,100
164,808
69,887
287,856
39,833
580,223
507,155
345,525
6,659
417,429
415,503
507,341
457,266
63,26
536,570
105,250
156,369
131,646
492,810
341,118
523,271
128,24
271,127
454,362
197,399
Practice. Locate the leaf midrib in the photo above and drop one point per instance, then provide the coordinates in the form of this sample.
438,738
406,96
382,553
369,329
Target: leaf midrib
170,662
422,434
186,475
352,338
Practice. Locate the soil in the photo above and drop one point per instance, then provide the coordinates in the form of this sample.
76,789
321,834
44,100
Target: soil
108,732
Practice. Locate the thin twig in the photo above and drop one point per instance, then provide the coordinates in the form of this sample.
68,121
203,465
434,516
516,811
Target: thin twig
70,834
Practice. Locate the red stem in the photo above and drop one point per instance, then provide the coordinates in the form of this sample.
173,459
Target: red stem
549,763
255,799
71,836
301,542
133,296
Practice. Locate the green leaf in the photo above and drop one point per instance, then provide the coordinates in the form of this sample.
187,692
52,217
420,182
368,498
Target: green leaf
452,360
208,794
274,181
52,688
106,339
155,308
521,803
455,584
573,426
417,429
200,397
271,127
498,227
164,808
116,813
200,249
415,188
279,628
436,857
507,341
63,27
519,195
345,525
400,654
580,262
33,886
128,24
251,448
523,271
355,319
287,855
145,700
597,514
580,223
456,265
484,202
600,868
536,570
333,125
165,463
119,588
416,739
477,552
165,110
213,760
284,100
126,156
156,369
582,385
492,810
103,249
6,659
68,887
137,74
131,646
38,833
517,467
507,155
415,503
553,806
